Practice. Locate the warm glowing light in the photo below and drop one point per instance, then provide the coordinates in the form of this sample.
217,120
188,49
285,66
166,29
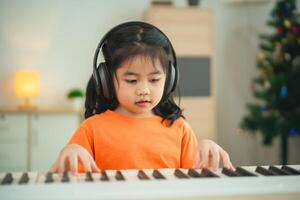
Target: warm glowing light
27,85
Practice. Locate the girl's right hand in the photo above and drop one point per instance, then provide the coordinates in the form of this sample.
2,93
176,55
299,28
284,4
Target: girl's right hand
69,157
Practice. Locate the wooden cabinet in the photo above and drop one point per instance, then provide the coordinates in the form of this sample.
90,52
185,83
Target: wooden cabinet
190,30
31,141
13,136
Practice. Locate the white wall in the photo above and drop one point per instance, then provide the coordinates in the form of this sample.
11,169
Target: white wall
58,38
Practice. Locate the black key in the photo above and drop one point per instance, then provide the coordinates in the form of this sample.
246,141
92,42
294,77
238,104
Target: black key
65,177
207,173
119,176
179,174
104,176
157,175
142,175
8,179
278,170
290,170
229,172
264,171
24,178
89,177
49,178
193,173
244,172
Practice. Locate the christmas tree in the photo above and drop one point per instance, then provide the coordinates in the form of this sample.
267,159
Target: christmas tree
277,89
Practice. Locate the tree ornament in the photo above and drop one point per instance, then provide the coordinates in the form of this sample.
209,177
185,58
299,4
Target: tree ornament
267,85
277,54
279,30
287,23
260,56
263,109
287,56
295,30
283,91
292,132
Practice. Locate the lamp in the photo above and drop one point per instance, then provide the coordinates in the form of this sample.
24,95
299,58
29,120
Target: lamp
27,85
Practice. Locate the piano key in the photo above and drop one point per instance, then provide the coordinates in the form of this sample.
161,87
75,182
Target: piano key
207,173
230,172
88,177
142,176
290,169
278,170
24,178
244,172
193,173
49,178
179,174
157,175
104,176
264,171
65,177
119,176
8,179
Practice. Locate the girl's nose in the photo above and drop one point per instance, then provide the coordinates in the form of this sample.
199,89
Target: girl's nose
143,90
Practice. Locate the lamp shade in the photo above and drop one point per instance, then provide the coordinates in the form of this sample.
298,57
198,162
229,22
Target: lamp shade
27,83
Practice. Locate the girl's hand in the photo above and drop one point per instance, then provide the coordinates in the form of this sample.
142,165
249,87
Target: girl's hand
210,154
69,157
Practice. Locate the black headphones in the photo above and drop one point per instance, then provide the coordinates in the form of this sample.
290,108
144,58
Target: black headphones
101,73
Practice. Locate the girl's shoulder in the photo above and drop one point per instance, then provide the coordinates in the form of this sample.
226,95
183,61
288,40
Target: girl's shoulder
94,119
182,123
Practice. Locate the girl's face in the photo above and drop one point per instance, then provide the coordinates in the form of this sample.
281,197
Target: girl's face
139,86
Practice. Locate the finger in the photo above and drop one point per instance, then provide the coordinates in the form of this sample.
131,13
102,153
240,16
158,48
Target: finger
204,158
61,164
85,161
73,163
214,159
94,166
226,160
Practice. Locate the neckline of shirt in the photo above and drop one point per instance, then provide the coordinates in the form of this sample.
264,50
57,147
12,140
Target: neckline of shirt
127,118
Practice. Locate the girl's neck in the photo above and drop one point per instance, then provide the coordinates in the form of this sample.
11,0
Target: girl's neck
127,113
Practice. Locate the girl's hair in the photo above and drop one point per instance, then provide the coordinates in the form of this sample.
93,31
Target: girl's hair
122,45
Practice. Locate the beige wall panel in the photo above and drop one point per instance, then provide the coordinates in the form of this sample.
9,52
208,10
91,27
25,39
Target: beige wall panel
189,29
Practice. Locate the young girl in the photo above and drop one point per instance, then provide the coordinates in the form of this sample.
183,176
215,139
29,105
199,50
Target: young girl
132,121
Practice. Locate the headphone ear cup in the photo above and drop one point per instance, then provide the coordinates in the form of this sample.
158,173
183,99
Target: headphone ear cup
171,80
104,78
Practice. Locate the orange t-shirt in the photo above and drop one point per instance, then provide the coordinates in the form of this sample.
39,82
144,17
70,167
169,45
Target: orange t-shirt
119,142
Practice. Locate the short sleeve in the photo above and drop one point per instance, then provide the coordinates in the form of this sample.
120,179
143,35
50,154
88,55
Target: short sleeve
188,147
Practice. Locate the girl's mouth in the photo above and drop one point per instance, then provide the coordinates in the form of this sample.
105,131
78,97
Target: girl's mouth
142,103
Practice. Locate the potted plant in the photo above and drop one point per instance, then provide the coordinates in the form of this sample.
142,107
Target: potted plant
76,96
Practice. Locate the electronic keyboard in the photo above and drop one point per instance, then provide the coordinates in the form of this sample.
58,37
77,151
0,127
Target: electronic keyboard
247,182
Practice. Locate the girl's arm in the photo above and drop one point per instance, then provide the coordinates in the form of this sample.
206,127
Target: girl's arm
210,154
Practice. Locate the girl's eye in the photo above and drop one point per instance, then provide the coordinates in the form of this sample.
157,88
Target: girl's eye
154,80
131,81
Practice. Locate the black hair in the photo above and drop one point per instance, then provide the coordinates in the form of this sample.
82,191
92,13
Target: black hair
122,45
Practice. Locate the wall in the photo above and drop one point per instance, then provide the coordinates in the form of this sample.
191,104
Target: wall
58,38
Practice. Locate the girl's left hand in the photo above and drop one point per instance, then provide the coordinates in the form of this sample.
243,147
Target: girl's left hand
210,154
